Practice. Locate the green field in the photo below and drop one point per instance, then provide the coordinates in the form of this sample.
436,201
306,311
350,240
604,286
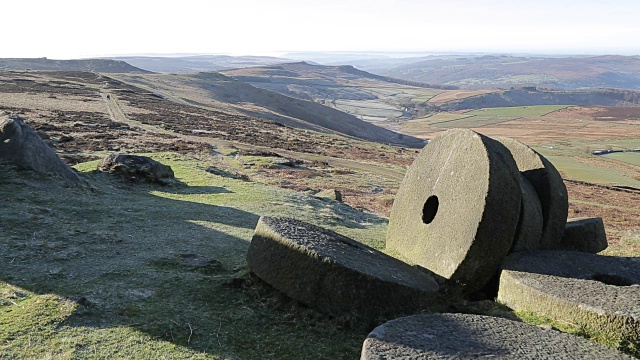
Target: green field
632,158
573,169
483,117
473,121
518,111
437,118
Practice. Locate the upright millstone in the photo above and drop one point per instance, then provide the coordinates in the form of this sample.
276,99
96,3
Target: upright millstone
531,220
550,188
457,209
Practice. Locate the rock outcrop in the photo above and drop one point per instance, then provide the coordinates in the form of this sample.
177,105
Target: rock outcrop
22,146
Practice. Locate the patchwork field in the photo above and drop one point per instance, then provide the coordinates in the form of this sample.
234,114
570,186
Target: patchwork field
567,135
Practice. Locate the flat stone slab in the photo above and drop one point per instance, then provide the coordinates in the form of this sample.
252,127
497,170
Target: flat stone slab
548,184
465,336
600,293
334,274
529,230
584,234
457,209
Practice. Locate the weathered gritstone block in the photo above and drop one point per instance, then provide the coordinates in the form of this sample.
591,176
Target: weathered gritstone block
600,293
465,336
22,146
584,234
457,209
549,186
335,274
530,224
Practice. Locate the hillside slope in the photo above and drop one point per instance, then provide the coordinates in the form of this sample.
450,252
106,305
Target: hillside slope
505,71
367,96
530,97
95,65
219,92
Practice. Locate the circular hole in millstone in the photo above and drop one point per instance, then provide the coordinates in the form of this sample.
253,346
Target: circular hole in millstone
611,279
430,209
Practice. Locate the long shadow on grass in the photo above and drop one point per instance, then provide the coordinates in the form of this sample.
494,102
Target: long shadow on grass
171,269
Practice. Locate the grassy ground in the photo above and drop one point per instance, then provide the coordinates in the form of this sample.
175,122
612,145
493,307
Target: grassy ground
142,271
145,271
632,158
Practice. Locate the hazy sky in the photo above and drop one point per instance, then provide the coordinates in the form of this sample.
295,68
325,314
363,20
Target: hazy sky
69,29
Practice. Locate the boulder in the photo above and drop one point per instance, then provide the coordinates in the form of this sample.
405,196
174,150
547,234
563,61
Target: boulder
334,274
23,147
457,209
466,336
549,186
137,168
598,293
584,234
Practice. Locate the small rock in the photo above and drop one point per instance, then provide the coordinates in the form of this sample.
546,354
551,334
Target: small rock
584,234
332,194
80,300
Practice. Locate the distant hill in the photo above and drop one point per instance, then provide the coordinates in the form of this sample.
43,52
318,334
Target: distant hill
95,65
491,71
222,93
378,98
368,96
532,96
303,74
198,63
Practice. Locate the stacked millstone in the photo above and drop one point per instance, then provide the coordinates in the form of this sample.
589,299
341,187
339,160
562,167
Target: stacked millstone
599,294
468,201
469,207
458,208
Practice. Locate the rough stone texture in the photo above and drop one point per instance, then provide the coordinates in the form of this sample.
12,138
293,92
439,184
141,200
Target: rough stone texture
529,229
550,188
465,336
26,149
330,194
584,234
467,186
136,168
334,274
601,293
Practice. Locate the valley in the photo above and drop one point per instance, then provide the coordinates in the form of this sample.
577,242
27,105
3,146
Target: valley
162,269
